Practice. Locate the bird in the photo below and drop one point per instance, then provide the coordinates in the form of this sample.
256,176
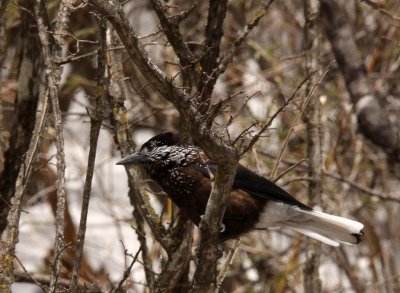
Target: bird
255,203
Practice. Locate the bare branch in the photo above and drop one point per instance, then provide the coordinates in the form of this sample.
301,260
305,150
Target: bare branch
63,17
95,126
210,226
117,95
170,26
348,268
373,121
292,167
3,52
379,6
10,234
284,104
115,14
366,190
44,281
355,185
140,232
229,259
126,272
43,287
303,107
53,78
208,81
208,63
227,57
178,258
312,119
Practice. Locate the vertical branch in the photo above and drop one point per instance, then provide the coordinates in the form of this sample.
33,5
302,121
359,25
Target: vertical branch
53,75
10,234
312,118
3,51
205,275
141,234
213,34
115,14
63,18
310,94
178,257
27,73
177,247
170,25
95,126
373,120
142,209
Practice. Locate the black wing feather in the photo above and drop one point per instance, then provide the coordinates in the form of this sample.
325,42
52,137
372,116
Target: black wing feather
257,185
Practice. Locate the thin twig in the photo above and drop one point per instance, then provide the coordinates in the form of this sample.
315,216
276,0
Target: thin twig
305,103
355,185
227,57
379,7
228,263
288,170
170,27
287,102
43,287
113,11
44,280
127,272
363,189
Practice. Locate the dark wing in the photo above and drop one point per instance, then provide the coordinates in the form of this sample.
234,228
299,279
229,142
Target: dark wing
257,185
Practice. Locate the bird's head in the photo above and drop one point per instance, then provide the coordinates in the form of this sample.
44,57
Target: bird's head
159,151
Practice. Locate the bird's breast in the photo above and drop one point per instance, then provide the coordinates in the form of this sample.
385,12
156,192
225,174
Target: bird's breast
190,189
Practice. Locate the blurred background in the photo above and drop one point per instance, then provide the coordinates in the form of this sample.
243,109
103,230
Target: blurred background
288,56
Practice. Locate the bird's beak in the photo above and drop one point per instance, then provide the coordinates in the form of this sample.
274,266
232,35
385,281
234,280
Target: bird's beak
136,158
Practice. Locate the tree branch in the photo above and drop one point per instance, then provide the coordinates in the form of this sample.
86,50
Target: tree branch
10,235
310,94
213,35
126,273
178,258
53,75
373,121
115,14
96,120
312,118
170,25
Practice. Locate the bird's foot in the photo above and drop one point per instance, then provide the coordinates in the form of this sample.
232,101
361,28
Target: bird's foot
201,221
222,228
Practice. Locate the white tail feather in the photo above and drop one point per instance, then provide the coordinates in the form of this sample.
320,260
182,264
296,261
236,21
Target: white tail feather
326,228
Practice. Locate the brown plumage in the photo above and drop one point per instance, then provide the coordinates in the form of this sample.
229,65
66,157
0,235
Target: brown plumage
254,203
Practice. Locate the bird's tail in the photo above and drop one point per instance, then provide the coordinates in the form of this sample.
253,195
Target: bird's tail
326,228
